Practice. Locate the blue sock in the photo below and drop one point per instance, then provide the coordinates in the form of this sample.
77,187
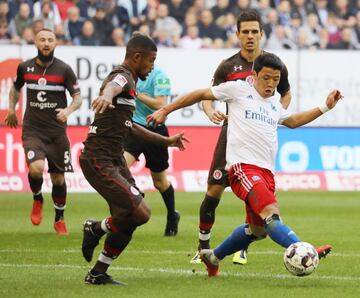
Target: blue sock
279,232
236,241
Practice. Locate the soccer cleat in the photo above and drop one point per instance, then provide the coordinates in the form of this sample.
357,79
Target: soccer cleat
101,279
36,212
90,240
171,228
211,262
323,250
60,227
240,257
196,259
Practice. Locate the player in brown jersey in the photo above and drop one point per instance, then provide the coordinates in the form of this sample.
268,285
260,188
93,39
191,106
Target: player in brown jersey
44,124
104,166
236,67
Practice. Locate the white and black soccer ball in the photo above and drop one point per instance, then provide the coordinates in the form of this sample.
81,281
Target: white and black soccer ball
301,258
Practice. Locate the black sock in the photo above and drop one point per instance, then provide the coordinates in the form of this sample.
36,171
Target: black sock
59,199
207,219
169,200
35,186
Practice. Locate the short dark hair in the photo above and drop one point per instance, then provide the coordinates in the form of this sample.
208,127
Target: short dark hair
140,43
267,60
248,15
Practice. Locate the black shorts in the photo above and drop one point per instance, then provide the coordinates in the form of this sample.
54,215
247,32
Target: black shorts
156,156
217,173
113,181
55,149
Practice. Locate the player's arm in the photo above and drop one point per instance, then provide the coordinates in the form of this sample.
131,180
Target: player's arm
286,99
213,115
104,101
63,114
155,103
302,118
208,105
284,88
177,140
189,99
11,119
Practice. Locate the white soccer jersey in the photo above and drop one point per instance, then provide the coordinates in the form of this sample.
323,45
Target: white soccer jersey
252,128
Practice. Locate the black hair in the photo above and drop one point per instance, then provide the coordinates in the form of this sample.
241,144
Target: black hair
140,43
267,60
248,15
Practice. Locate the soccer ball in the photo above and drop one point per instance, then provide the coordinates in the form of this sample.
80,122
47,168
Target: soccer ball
301,258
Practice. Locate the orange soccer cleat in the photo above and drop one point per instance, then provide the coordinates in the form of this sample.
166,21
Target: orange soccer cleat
323,250
36,212
60,227
211,262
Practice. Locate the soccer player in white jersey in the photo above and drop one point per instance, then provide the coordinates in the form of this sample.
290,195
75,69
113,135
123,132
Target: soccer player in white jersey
254,114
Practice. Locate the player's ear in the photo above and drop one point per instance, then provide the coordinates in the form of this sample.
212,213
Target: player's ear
137,57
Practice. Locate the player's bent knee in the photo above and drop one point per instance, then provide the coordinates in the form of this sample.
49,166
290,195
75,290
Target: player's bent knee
142,214
36,170
258,232
272,218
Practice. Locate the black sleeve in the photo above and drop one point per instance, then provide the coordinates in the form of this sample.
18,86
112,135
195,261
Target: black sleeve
19,80
284,85
71,82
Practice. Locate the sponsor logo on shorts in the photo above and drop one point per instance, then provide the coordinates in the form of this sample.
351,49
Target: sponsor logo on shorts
255,178
217,174
134,190
30,154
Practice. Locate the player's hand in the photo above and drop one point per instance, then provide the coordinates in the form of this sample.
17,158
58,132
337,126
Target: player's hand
216,116
333,98
100,104
11,119
178,140
156,118
62,114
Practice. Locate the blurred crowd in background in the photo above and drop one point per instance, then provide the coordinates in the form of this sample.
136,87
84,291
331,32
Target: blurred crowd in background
195,24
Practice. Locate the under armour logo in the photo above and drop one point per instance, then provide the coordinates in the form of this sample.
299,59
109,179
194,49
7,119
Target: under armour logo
30,69
237,68
92,129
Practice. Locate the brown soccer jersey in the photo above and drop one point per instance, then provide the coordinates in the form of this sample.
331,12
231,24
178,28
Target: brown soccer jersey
45,92
109,129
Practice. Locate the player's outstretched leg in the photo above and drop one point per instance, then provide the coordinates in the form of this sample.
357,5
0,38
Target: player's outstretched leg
279,232
323,250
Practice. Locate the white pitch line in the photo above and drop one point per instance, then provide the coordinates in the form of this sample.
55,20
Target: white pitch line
183,272
165,252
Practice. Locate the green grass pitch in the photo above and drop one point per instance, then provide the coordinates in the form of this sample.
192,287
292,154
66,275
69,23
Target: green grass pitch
35,262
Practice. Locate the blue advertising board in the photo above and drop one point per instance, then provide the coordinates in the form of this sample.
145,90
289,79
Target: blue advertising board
318,149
